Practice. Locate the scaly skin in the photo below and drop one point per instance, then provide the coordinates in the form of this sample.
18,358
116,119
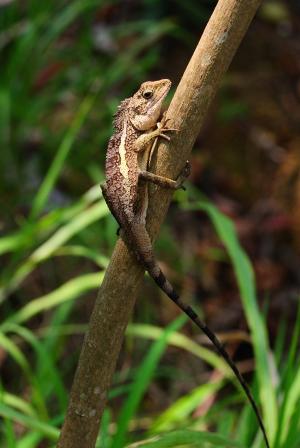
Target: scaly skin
125,191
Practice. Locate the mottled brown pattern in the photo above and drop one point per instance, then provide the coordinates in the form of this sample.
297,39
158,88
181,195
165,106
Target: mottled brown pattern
135,116
126,197
134,124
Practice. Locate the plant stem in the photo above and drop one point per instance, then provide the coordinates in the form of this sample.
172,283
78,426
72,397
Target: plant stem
118,292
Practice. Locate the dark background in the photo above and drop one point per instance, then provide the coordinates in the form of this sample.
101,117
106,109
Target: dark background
65,66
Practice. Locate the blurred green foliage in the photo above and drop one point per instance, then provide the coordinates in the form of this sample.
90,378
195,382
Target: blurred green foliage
64,68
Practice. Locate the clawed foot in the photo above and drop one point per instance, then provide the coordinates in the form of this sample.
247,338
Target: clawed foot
162,128
186,171
166,137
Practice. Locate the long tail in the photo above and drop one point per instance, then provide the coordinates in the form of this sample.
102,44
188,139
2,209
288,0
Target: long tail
142,244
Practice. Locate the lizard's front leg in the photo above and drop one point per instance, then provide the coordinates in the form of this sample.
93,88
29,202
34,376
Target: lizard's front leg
143,140
165,182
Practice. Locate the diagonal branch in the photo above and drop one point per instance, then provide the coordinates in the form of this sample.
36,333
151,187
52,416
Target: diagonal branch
123,277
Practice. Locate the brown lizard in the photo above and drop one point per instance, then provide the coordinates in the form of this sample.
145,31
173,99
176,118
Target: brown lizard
137,128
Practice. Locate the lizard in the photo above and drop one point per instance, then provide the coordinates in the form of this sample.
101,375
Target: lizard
136,131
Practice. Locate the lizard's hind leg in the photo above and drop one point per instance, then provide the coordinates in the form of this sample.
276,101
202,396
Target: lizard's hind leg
165,182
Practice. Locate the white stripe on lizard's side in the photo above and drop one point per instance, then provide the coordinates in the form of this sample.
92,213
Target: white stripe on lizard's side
124,170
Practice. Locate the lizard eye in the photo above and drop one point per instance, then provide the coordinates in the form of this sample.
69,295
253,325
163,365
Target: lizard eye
147,94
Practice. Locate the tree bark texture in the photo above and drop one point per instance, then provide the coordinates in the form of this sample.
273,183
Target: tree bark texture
118,292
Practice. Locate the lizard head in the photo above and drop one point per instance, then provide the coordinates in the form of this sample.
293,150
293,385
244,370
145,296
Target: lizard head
146,104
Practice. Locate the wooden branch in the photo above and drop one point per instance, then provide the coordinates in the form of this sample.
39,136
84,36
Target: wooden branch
124,275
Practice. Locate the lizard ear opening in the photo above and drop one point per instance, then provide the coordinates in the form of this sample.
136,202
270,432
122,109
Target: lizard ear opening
147,94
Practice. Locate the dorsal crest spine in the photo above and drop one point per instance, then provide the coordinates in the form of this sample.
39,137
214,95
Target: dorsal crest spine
119,115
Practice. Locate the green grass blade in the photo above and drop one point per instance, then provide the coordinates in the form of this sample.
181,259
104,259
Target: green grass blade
50,380
187,438
293,437
13,350
141,382
104,438
246,282
246,425
65,233
46,429
280,340
47,249
8,430
289,415
65,18
16,354
17,403
10,242
68,291
288,374
30,440
31,233
181,341
290,405
226,423
61,155
82,251
184,406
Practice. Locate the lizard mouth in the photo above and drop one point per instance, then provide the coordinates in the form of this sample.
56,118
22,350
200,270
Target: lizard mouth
164,91
166,88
